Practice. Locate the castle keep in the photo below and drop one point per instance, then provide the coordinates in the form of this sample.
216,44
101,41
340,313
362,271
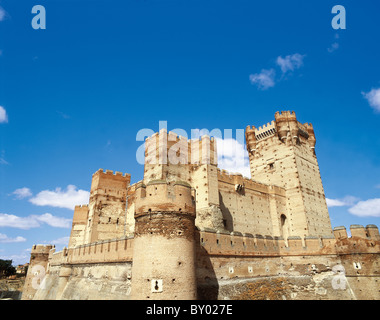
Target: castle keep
189,230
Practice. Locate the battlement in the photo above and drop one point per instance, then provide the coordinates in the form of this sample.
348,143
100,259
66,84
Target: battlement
221,242
371,231
107,179
111,173
41,248
160,196
287,115
265,131
83,206
248,183
169,148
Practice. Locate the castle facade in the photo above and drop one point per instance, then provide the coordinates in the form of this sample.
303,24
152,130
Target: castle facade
189,230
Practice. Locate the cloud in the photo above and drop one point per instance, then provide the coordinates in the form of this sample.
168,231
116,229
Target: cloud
267,77
290,62
68,198
367,208
373,98
3,115
3,14
264,80
344,202
60,241
63,115
21,258
33,221
4,239
2,159
22,193
334,46
232,156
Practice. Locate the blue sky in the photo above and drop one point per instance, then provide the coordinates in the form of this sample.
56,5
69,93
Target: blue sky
74,95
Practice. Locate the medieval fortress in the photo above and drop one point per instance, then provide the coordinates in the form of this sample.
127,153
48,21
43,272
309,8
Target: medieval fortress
189,230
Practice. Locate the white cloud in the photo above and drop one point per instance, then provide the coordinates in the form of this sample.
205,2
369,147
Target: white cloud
21,258
4,239
53,221
232,156
334,46
3,14
68,198
373,98
367,208
267,77
343,202
334,203
290,62
60,241
22,193
3,115
264,80
33,221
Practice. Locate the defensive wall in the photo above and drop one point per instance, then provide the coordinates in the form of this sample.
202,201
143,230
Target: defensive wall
226,265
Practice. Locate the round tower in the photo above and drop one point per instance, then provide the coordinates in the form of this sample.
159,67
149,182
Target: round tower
250,138
38,267
286,121
164,243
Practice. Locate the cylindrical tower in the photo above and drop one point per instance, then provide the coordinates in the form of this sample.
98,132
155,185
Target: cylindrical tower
38,267
250,138
164,244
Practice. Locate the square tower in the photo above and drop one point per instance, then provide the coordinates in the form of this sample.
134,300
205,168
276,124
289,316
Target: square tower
282,153
106,217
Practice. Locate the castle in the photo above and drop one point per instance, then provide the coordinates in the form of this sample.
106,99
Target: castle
189,230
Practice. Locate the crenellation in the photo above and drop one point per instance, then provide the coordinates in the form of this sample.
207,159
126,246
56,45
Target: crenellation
358,230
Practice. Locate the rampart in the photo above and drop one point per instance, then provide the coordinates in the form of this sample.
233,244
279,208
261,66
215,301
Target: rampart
223,243
226,262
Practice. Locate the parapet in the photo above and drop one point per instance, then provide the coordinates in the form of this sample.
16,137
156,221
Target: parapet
358,230
169,148
102,179
111,173
267,130
373,231
370,232
41,248
285,115
248,183
340,232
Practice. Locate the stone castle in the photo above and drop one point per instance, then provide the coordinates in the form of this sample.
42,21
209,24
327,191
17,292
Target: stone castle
189,230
